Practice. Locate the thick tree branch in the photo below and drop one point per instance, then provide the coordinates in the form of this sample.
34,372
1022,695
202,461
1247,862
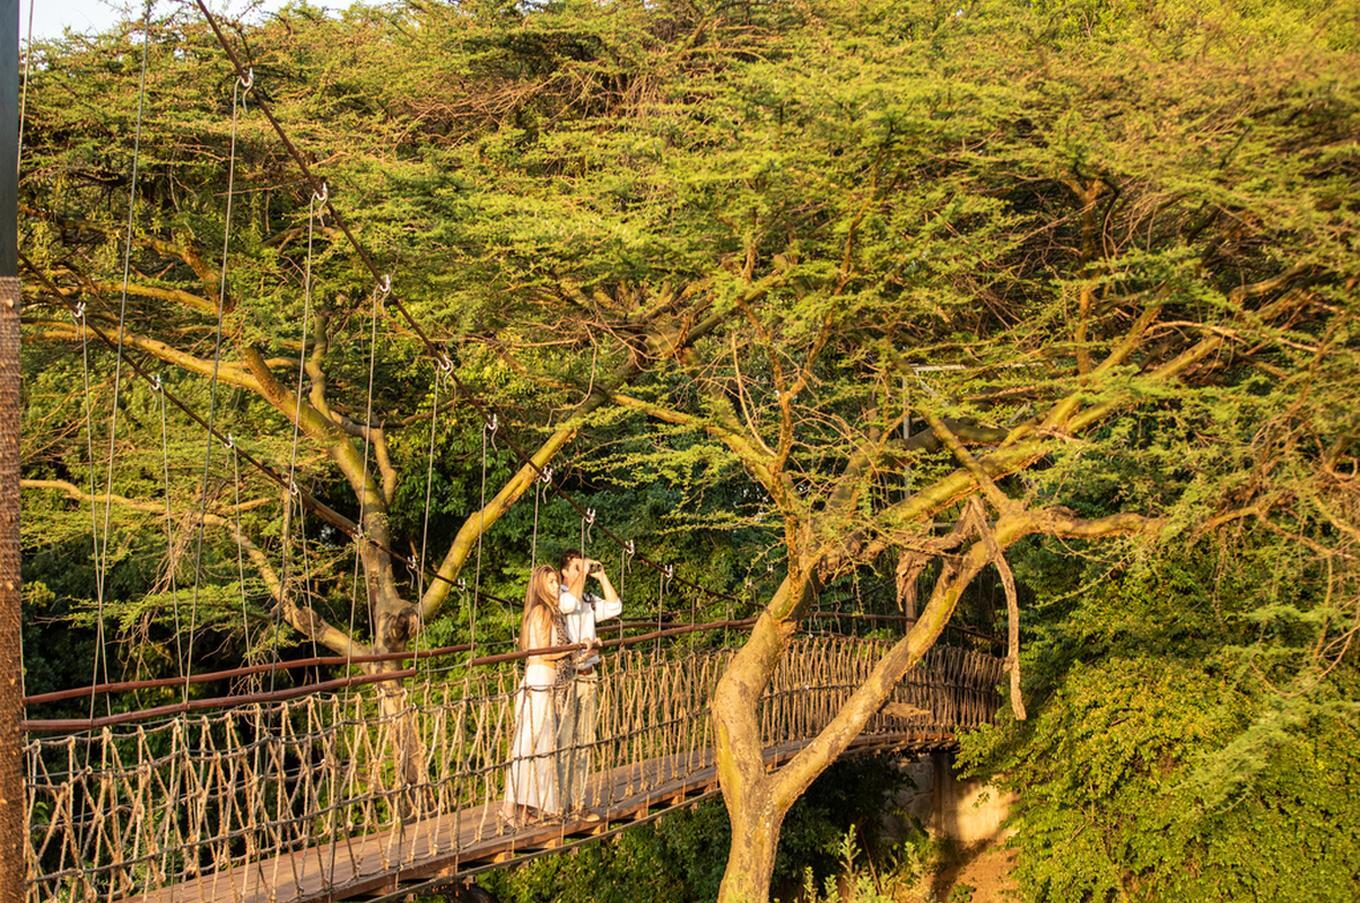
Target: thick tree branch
301,618
789,782
228,373
667,338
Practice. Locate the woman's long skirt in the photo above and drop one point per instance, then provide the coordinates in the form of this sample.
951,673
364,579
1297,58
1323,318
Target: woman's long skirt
532,776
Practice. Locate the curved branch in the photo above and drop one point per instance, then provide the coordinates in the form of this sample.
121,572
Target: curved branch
301,618
229,373
789,782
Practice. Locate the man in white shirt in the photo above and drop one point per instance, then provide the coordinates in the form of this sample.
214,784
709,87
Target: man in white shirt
576,719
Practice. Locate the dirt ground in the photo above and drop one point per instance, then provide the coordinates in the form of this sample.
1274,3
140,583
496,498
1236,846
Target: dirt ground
977,874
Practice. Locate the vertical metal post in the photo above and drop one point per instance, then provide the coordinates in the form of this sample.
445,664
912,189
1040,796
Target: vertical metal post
12,827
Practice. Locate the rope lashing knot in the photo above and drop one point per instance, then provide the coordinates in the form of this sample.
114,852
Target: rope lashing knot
590,517
629,548
248,80
231,441
546,475
668,571
445,363
324,195
385,286
79,314
412,563
461,584
293,488
156,383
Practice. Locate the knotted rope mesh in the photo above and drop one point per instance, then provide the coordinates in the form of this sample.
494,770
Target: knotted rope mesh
305,797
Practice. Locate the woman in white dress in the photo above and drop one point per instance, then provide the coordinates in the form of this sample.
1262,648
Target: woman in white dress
531,782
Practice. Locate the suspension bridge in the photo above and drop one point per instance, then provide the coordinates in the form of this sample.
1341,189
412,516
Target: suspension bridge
298,799
388,780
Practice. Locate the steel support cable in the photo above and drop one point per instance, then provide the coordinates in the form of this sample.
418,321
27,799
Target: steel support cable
438,356
240,550
18,168
79,315
286,538
239,88
488,431
429,489
363,492
101,559
171,568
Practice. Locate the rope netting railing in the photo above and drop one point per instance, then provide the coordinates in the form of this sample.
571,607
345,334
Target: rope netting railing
298,798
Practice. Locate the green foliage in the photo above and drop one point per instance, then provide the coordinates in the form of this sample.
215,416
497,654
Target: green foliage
1159,769
682,855
906,178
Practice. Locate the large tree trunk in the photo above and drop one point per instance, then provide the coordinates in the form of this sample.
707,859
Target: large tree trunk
395,623
755,841
757,801
746,790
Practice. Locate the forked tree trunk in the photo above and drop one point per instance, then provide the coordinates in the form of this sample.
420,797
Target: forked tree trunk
757,801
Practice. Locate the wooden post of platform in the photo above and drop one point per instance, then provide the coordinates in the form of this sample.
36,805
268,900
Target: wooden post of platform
12,827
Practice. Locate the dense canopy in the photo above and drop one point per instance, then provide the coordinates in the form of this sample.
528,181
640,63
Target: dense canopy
758,281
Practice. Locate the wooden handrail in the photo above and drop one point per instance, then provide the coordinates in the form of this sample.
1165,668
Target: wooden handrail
64,725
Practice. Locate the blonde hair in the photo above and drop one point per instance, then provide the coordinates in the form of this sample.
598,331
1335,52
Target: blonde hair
533,599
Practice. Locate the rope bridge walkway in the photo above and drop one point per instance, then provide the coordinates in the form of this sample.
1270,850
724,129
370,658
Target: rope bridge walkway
300,799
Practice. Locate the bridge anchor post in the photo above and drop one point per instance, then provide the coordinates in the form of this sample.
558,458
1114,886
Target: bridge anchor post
12,822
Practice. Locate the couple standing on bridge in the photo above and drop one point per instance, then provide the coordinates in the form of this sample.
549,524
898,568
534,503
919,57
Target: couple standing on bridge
555,705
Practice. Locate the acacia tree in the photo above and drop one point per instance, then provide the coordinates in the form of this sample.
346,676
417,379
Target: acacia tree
1014,232
1072,239
288,339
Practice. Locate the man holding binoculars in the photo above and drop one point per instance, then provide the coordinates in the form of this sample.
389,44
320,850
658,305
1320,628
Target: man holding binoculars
576,716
